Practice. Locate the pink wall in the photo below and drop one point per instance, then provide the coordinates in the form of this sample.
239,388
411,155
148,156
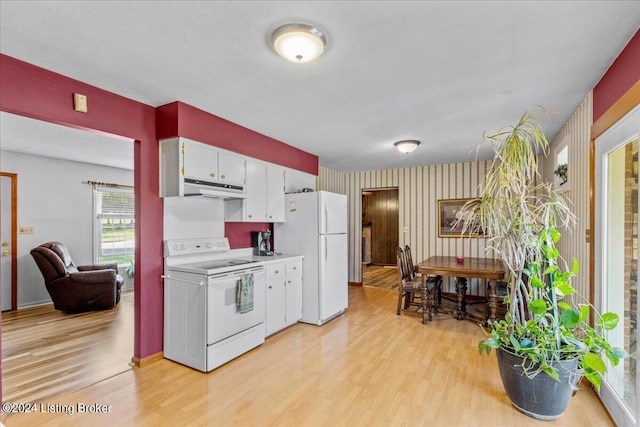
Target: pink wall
180,119
239,233
621,75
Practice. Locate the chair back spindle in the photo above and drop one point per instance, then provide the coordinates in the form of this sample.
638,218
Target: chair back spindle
409,262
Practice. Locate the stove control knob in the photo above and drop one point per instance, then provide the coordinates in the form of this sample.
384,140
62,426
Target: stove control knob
209,245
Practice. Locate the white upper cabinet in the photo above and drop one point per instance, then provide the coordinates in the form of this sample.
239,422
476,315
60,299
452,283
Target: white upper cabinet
182,161
255,205
265,195
231,168
275,193
253,190
295,181
200,161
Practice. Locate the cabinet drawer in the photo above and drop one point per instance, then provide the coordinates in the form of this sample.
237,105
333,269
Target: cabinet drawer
275,271
294,269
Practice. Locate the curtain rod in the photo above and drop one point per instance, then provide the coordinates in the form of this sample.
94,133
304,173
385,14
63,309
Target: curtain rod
107,184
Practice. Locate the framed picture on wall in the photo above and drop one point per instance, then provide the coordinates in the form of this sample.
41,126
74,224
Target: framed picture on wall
448,216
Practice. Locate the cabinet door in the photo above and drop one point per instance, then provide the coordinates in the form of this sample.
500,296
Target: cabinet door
256,189
275,194
276,297
292,181
293,287
307,180
199,161
231,168
296,181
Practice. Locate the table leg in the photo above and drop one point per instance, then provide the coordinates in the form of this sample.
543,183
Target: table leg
431,301
461,293
425,308
492,301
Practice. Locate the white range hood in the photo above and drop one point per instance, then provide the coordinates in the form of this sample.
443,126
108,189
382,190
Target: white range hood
197,187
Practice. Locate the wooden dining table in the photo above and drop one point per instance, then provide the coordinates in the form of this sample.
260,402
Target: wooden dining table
482,268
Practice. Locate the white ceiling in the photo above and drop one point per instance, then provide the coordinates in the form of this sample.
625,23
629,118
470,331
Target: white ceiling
25,135
441,72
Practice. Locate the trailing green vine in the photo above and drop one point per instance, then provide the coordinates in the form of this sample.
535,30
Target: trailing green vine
558,330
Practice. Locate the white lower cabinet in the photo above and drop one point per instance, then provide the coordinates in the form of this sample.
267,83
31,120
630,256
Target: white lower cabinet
276,297
293,288
284,295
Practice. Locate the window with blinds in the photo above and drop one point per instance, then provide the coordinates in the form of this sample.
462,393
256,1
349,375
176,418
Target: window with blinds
114,225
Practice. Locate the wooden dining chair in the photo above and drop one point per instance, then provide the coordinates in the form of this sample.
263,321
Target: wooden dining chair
437,280
409,290
414,292
409,260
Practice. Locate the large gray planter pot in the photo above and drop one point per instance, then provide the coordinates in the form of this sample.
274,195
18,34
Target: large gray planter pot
541,397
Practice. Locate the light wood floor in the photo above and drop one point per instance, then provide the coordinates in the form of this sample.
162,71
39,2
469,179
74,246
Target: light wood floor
367,367
380,276
48,353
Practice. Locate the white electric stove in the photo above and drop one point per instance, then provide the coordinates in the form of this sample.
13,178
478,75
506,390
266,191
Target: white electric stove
203,326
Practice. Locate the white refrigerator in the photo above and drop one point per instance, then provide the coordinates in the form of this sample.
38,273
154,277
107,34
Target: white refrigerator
316,226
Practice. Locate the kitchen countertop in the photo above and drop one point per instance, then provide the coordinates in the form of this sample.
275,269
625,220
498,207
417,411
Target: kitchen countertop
275,258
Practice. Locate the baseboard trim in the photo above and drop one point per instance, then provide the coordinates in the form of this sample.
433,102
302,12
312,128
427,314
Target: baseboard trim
141,363
355,283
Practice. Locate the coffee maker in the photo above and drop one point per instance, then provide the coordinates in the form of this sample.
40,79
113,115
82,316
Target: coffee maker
261,243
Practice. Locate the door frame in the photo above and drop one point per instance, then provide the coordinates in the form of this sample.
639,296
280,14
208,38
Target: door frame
625,104
622,134
14,238
374,190
617,111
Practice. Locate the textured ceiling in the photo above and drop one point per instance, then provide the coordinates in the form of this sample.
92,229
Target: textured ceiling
441,72
25,135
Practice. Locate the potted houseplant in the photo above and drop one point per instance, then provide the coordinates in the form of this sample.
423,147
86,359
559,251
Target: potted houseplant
128,274
561,173
131,269
545,343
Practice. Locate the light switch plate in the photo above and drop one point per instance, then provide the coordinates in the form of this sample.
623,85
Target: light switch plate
80,102
27,230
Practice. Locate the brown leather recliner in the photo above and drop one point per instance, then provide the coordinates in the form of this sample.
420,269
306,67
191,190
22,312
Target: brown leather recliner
77,288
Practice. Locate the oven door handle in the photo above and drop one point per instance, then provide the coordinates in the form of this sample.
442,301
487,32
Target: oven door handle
191,282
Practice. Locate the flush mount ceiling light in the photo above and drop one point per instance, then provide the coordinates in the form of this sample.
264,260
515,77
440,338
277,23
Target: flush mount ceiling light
298,42
407,146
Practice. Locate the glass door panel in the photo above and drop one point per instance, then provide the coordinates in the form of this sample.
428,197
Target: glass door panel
616,263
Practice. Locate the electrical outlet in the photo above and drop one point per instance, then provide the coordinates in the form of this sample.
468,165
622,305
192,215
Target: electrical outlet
27,230
406,229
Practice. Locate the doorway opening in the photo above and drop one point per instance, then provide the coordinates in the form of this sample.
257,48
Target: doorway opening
380,237
43,354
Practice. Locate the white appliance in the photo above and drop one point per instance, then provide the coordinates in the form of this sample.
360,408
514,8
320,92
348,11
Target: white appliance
316,226
203,327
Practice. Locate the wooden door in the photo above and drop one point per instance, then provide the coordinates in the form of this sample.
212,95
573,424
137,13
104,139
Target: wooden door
8,250
380,211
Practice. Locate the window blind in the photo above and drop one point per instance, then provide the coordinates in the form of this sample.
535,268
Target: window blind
114,203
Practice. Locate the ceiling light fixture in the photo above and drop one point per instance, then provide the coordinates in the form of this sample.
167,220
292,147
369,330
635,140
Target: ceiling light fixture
298,42
407,146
